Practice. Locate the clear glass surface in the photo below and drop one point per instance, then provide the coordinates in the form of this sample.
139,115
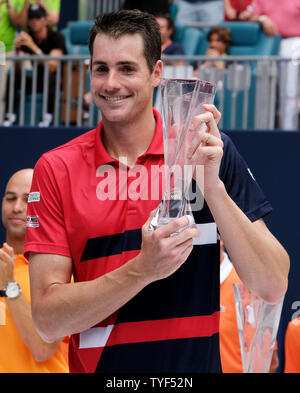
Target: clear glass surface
258,323
180,101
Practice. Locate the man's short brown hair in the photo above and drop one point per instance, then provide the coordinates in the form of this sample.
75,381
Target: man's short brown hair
119,23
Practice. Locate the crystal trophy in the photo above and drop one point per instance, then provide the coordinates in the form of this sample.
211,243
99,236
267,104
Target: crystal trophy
180,100
258,323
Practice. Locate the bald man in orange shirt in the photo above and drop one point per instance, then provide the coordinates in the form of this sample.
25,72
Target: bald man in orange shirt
21,348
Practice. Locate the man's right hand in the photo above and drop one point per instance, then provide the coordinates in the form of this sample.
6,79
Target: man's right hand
7,262
268,26
163,251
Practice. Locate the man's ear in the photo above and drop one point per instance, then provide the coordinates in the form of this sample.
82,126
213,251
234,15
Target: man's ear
157,73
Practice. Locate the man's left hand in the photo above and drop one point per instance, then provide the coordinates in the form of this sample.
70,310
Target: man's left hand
207,147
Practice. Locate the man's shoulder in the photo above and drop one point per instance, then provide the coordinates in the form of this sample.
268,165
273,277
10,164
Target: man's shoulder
74,147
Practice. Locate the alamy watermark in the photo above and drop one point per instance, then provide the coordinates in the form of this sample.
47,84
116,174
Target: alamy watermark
141,183
296,314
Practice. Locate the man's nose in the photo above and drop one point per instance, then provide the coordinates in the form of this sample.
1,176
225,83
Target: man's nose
112,81
19,205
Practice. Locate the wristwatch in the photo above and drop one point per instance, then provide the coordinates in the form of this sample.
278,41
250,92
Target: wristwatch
261,18
11,291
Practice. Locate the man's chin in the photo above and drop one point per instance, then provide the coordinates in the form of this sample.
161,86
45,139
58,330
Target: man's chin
16,233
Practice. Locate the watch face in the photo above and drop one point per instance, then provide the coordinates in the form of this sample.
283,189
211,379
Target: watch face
12,290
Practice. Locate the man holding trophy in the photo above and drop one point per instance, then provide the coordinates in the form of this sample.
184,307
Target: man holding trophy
146,267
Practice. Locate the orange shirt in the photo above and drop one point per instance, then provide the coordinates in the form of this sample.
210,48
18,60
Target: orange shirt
15,357
229,337
292,347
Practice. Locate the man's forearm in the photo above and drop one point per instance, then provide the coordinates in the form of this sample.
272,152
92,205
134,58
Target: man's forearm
260,260
61,308
18,19
20,311
71,308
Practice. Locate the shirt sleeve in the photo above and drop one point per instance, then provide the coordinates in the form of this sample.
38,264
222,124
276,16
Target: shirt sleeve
53,5
45,226
258,8
241,184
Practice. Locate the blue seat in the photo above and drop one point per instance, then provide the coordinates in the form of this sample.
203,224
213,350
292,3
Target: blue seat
248,38
190,38
76,37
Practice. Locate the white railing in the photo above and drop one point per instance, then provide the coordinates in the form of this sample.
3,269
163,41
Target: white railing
248,90
92,8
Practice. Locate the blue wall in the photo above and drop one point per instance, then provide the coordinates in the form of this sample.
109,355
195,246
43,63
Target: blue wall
273,157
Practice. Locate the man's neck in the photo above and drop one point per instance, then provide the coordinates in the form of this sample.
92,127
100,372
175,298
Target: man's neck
15,243
129,141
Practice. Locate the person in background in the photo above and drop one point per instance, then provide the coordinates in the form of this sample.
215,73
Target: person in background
167,28
238,9
206,11
292,347
9,23
283,18
40,40
21,348
52,8
219,39
13,16
230,349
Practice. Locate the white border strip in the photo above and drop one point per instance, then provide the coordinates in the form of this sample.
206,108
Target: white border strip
208,234
95,337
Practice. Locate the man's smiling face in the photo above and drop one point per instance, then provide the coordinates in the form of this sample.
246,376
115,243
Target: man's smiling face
121,82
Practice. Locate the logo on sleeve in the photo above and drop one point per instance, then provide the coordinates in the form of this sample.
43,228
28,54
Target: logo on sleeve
32,222
34,197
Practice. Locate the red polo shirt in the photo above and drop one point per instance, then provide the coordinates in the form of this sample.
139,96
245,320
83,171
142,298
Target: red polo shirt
79,188
172,324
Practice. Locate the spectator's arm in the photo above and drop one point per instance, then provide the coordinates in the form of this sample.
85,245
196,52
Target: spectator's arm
230,12
18,19
53,63
52,16
20,311
266,22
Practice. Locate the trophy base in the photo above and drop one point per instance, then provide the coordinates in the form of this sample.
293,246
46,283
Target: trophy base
158,222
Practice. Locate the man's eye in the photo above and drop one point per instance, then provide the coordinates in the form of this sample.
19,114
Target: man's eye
101,69
127,69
